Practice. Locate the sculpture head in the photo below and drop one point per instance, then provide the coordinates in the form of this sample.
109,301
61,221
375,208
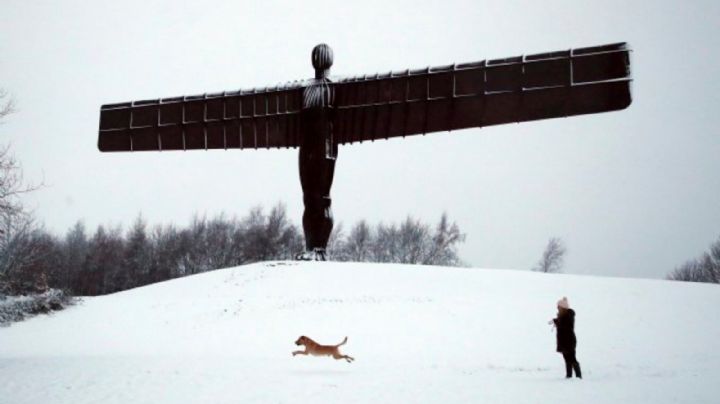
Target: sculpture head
322,59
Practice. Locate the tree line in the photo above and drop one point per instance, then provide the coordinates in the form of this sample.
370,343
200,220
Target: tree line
109,259
705,268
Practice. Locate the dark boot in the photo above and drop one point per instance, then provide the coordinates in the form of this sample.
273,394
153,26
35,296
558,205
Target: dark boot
578,373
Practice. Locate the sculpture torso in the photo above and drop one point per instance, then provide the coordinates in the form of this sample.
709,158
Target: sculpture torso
317,118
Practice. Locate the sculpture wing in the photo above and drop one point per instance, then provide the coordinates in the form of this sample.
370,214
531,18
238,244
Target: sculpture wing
263,118
516,89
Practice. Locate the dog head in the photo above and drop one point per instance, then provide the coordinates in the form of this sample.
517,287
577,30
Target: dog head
301,340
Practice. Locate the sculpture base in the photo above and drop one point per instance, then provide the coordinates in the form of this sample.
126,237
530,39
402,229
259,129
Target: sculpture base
318,254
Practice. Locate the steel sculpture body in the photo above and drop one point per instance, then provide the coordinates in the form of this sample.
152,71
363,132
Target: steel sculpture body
319,114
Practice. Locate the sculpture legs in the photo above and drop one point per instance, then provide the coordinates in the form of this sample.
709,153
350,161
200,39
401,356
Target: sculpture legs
316,175
317,224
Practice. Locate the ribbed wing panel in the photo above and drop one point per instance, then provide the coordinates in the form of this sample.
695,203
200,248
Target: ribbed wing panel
267,118
517,89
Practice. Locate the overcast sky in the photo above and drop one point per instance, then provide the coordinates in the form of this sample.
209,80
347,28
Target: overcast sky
632,193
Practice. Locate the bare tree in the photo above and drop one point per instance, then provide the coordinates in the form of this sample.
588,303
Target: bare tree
703,269
104,271
410,242
356,246
414,241
18,246
552,258
443,249
271,237
690,271
75,247
166,253
19,250
12,184
137,257
385,246
7,104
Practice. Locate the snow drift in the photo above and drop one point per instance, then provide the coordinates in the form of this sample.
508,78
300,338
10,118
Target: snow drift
419,334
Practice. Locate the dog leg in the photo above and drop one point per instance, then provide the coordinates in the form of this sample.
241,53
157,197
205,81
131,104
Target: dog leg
300,353
347,358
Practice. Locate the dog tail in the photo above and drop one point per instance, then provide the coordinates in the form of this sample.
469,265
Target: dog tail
342,343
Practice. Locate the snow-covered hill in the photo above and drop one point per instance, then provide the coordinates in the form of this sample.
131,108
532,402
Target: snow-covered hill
418,334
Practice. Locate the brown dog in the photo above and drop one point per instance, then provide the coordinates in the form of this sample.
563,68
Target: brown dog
315,349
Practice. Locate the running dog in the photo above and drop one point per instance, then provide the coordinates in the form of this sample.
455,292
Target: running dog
315,349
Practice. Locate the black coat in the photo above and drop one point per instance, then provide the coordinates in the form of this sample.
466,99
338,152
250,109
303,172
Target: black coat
565,325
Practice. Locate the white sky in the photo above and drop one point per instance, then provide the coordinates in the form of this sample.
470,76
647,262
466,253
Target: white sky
632,193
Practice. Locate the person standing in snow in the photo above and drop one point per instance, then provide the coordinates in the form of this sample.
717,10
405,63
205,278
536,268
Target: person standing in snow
566,341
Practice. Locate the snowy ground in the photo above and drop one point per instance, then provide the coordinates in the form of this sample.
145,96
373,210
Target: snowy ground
418,334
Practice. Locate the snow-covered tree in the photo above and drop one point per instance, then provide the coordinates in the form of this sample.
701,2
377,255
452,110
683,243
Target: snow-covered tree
104,272
74,249
18,248
137,255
